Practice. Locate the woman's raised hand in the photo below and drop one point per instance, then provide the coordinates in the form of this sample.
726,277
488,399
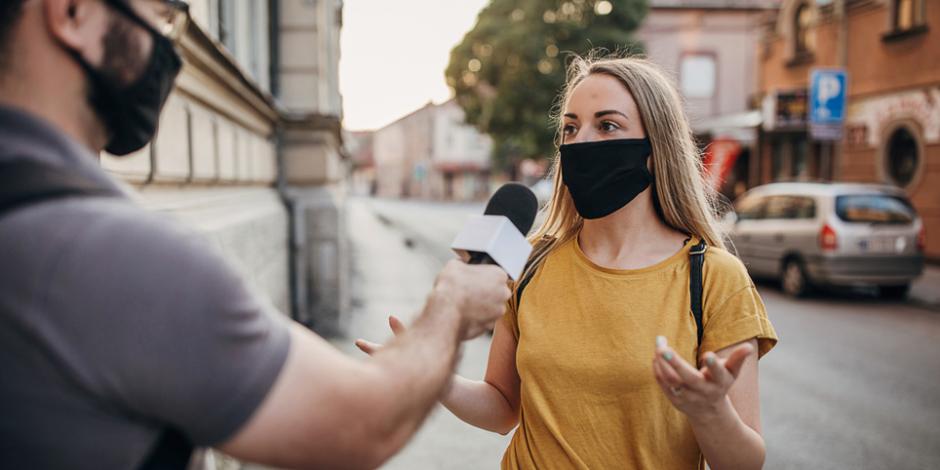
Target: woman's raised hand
697,392
369,347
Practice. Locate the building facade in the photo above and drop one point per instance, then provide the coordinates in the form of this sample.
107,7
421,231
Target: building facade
891,53
432,154
248,149
361,156
710,48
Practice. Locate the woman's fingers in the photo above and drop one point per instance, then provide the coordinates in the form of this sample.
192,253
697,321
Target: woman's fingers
717,373
396,325
737,358
368,347
668,374
676,369
688,375
663,382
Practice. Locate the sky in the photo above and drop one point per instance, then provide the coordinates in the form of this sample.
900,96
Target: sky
393,55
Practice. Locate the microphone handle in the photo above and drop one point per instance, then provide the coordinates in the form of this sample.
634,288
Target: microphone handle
478,257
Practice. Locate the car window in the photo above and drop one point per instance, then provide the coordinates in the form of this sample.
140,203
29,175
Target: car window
875,209
790,207
750,208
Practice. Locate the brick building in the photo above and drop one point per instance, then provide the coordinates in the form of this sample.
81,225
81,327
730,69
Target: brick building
891,52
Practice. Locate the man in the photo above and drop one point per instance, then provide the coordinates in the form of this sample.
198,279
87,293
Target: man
122,335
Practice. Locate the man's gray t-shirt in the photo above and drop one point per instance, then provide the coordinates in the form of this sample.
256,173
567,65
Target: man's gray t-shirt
117,324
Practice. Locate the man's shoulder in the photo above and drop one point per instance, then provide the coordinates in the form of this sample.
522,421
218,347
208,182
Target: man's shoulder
119,226
102,239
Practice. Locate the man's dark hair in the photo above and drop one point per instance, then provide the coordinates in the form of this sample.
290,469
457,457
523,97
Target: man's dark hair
10,12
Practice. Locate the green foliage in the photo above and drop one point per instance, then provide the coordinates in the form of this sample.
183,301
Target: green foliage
510,67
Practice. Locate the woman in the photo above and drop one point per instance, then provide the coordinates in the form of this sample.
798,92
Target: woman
582,362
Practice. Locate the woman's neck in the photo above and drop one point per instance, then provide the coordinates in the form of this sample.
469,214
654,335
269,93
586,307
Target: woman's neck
634,237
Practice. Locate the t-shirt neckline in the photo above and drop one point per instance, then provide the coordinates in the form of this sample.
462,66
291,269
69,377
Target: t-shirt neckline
676,257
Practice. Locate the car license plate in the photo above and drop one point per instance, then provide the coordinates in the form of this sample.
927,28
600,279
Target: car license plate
883,245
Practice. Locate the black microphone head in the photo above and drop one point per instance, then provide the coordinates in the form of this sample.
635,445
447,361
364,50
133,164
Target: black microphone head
517,202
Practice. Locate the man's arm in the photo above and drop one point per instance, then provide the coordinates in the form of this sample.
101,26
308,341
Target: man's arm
329,411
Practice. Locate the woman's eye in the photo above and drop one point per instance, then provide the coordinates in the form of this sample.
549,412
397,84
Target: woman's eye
568,129
608,126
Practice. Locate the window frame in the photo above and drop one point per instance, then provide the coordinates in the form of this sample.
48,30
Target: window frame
713,56
885,154
918,24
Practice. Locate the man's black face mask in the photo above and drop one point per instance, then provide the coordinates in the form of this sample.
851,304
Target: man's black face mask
130,111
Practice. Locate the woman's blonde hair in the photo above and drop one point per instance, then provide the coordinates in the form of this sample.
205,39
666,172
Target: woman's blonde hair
683,200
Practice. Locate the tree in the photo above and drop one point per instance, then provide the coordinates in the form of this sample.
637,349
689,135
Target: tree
508,70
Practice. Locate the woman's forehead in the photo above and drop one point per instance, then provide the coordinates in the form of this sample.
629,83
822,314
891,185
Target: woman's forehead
598,92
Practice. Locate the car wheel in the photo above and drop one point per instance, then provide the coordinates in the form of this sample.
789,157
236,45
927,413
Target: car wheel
793,279
895,292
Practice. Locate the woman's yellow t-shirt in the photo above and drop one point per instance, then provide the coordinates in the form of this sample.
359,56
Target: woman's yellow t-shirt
585,345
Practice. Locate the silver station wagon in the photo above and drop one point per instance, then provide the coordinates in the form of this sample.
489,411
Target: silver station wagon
811,235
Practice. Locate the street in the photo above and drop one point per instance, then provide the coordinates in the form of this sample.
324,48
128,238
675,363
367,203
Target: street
853,382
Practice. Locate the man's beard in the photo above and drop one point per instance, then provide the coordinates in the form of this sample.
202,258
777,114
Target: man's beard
124,56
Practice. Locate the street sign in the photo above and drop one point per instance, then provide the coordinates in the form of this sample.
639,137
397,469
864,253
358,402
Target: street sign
827,103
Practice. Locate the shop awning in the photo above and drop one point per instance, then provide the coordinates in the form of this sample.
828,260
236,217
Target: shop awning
738,126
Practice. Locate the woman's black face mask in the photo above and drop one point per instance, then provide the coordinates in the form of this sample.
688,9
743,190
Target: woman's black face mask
604,176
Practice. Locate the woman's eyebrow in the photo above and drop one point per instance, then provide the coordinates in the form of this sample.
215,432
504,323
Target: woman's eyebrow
609,111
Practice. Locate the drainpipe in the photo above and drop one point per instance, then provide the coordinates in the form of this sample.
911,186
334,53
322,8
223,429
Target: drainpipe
294,245
295,240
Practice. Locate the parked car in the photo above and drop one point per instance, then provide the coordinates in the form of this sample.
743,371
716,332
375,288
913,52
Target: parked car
829,234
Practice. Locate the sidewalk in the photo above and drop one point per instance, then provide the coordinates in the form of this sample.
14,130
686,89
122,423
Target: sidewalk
397,251
926,290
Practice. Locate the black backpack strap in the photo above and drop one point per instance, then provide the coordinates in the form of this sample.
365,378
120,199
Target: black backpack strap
172,451
696,261
540,246
522,283
26,182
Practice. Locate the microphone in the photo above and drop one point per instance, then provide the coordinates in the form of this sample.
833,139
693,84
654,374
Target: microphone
498,236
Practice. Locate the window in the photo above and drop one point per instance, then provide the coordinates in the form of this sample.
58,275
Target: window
902,157
697,75
804,41
790,207
227,24
907,14
875,209
751,208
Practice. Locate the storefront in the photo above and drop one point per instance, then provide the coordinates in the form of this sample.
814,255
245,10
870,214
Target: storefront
788,151
729,145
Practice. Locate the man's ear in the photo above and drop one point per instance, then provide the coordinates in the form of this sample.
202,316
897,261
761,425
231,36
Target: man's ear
78,25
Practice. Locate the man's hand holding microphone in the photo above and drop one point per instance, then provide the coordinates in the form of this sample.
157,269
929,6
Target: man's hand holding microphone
492,246
477,293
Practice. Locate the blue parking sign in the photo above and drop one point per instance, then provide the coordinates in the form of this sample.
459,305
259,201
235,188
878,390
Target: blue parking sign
827,96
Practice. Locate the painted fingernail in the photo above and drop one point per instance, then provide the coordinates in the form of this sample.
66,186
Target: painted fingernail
667,356
710,360
660,341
